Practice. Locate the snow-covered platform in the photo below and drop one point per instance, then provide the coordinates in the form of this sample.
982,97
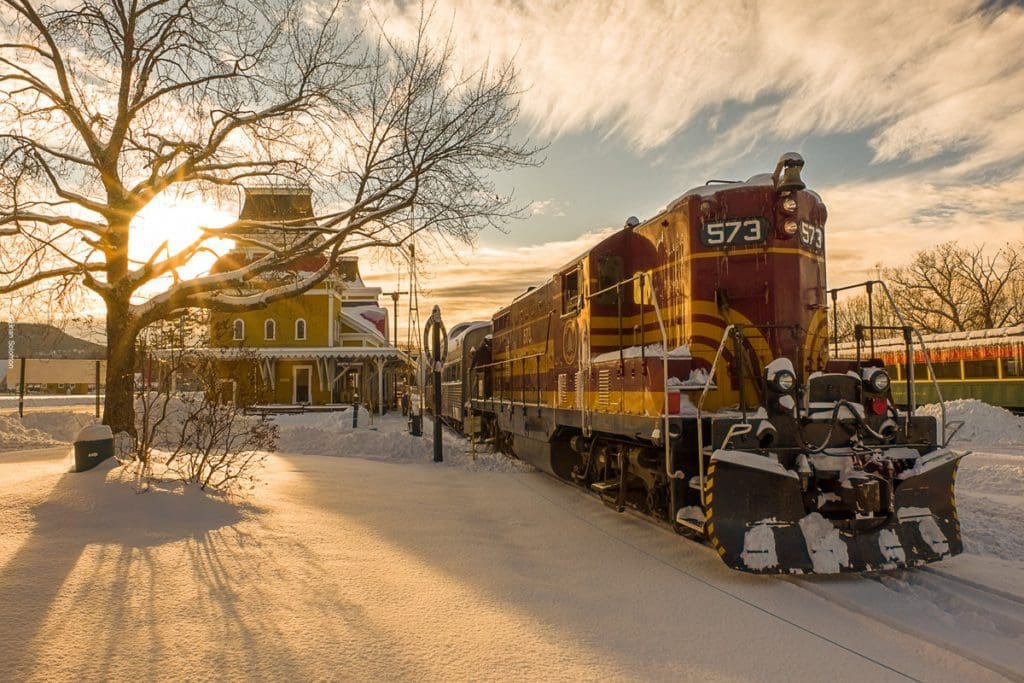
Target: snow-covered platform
378,564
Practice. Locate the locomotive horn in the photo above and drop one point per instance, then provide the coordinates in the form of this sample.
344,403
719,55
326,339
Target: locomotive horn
787,172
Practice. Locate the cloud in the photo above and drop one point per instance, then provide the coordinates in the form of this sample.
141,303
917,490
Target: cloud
920,79
869,223
473,285
546,207
887,221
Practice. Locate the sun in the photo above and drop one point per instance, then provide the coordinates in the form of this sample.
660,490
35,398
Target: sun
177,221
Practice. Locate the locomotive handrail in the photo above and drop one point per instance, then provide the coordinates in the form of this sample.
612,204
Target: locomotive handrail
638,276
910,356
649,277
618,303
664,379
700,405
509,360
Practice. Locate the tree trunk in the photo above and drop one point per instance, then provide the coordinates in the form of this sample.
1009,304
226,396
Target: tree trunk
119,405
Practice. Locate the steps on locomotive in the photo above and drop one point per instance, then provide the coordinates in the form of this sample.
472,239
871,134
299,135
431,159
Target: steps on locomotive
609,492
691,518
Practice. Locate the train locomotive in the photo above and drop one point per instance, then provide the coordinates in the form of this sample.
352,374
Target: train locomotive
681,368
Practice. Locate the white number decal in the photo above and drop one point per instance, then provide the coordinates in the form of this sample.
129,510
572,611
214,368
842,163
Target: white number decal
754,233
748,231
715,233
735,227
806,233
812,236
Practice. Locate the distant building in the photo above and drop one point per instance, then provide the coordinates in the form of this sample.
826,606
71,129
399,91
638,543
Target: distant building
326,346
59,362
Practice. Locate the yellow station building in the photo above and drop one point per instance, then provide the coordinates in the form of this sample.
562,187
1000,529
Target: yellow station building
327,346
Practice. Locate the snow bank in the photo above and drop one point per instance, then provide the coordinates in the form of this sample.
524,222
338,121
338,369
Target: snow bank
41,429
984,425
14,435
990,504
387,439
61,425
990,481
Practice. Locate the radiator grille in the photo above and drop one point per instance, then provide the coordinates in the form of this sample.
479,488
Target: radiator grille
604,383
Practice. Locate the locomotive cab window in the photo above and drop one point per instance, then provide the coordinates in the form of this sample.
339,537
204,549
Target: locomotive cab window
571,291
610,270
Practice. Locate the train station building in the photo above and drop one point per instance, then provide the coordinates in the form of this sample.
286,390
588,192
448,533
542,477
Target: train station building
328,346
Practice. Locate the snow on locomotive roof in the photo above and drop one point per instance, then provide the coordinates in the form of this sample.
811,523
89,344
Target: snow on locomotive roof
706,191
759,180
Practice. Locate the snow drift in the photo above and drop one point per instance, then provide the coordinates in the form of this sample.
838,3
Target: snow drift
984,424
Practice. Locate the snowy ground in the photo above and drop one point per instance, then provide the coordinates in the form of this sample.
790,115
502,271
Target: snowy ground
382,565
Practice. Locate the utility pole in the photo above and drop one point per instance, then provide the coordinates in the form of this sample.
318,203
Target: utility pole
394,299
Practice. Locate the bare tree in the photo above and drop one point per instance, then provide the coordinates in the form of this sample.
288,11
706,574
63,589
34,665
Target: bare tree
853,311
952,287
185,428
112,103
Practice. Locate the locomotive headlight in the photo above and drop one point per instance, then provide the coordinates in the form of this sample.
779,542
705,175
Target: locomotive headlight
783,381
790,228
879,381
789,204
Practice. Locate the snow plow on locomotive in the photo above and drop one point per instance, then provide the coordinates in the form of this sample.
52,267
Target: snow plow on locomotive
680,368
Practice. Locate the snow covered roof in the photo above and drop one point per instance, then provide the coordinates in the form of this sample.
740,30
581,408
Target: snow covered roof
706,191
372,319
302,353
462,329
946,340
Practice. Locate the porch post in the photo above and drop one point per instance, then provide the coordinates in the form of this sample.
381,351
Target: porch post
379,362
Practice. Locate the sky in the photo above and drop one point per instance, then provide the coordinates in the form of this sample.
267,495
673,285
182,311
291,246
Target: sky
910,116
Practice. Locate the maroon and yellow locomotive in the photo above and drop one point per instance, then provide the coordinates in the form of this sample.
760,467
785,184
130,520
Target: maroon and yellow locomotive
680,367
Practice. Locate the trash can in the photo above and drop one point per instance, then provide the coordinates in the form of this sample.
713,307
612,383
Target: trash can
93,445
416,424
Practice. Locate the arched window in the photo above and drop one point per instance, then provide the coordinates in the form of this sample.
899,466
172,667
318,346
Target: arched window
300,329
238,330
270,330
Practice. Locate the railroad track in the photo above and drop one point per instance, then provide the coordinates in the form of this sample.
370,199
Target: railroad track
977,622
973,585
986,619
